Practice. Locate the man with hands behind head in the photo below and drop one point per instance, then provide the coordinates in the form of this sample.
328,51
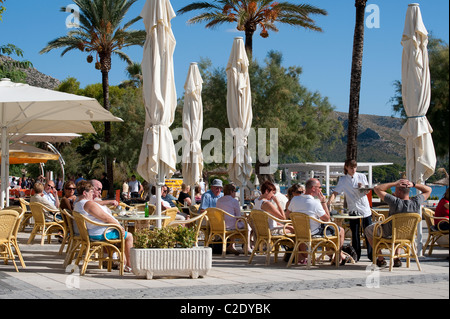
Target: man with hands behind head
399,202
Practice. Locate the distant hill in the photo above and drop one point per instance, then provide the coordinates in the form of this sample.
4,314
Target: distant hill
36,78
378,140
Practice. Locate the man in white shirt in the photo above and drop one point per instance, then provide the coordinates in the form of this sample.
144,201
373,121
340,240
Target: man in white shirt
308,204
51,194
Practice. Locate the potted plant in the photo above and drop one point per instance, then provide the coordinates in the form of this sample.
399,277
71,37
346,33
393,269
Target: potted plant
169,251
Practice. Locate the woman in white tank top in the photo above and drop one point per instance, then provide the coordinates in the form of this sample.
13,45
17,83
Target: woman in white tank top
264,202
85,205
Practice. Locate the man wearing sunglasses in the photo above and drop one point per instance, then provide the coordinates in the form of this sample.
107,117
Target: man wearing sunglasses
51,194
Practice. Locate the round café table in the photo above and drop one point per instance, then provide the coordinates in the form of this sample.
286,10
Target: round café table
139,219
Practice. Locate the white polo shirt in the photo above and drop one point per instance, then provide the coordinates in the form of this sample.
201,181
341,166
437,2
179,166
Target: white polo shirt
356,200
307,204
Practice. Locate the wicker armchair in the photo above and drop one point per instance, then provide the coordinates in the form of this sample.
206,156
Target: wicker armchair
16,230
404,227
73,238
27,216
434,230
377,217
42,226
216,218
195,222
266,243
329,245
90,248
9,219
204,227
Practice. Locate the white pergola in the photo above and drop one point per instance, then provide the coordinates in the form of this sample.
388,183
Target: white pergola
328,169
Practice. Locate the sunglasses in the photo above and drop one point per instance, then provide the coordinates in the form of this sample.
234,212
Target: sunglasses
70,189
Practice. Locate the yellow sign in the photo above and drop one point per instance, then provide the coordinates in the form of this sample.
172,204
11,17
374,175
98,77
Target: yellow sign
175,185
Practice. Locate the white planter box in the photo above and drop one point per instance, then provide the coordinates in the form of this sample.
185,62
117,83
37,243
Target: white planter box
149,262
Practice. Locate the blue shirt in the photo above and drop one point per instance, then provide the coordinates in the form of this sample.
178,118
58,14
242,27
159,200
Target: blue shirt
209,200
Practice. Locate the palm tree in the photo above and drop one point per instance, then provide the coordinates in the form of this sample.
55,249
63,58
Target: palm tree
249,14
355,80
100,33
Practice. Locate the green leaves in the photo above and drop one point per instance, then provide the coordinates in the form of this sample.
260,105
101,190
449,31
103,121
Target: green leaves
167,237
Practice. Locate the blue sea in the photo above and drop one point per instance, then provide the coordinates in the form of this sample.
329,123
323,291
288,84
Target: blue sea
437,190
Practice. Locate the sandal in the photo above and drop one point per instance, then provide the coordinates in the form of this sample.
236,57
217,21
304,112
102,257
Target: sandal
303,262
127,269
345,260
397,262
381,263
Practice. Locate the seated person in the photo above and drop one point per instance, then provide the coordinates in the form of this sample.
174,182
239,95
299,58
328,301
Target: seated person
164,204
69,196
230,204
184,198
165,194
307,204
50,193
50,210
86,205
442,211
198,194
399,202
269,203
209,198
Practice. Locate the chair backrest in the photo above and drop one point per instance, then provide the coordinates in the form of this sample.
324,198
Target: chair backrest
195,222
193,210
37,210
172,212
8,220
68,220
377,216
428,215
260,222
302,228
80,220
24,204
404,226
216,219
19,218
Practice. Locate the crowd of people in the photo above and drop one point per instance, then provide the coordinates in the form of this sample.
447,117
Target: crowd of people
86,197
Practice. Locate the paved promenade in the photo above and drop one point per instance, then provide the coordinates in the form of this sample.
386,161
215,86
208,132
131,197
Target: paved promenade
229,279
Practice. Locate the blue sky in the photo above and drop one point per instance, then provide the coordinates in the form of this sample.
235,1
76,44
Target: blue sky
324,57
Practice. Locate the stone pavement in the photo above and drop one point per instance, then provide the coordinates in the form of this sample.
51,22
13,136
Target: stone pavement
230,278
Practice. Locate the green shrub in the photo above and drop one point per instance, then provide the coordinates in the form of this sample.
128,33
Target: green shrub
167,237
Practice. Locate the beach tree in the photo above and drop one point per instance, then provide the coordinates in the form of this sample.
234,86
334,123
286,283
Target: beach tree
249,15
355,80
101,34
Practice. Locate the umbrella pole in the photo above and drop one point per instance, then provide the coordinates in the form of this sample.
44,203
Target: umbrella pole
159,185
5,159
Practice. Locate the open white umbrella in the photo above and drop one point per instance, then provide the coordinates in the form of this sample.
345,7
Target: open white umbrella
192,165
240,115
416,93
28,109
157,159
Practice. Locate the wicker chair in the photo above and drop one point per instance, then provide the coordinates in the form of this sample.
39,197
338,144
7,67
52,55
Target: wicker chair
404,227
45,228
434,230
195,222
329,245
89,248
266,243
204,228
73,239
27,216
172,213
9,219
216,218
16,230
377,217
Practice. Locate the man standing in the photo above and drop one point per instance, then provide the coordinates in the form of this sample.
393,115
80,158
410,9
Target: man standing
135,187
399,202
209,198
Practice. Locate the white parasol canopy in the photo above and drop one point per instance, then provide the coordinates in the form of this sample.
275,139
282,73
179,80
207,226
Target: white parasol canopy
416,93
28,109
192,127
157,159
240,115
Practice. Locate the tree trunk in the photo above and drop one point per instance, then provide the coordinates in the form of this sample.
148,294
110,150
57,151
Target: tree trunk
106,66
249,31
355,80
262,177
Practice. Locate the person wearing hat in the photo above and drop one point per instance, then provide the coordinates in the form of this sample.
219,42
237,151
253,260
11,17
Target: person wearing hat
209,198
